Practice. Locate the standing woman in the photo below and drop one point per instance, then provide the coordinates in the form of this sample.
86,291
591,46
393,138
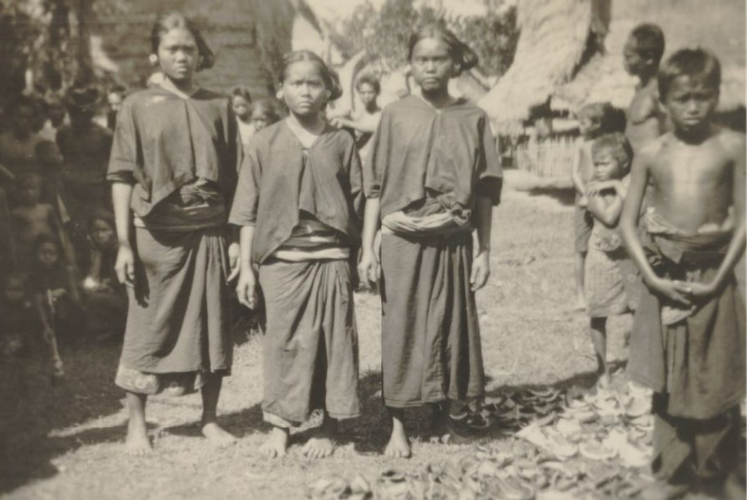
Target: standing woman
173,171
432,178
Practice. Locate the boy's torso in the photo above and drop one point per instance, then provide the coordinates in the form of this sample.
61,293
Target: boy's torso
645,120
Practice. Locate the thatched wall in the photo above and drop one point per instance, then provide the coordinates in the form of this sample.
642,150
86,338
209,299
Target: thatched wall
718,26
554,35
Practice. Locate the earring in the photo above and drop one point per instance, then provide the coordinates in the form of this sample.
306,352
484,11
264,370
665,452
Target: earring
280,95
328,94
153,59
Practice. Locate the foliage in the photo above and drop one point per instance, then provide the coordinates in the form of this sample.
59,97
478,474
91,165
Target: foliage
386,32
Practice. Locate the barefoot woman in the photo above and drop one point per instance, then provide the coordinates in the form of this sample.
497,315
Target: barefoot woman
173,171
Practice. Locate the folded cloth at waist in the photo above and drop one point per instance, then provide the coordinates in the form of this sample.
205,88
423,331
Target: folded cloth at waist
196,205
312,240
427,218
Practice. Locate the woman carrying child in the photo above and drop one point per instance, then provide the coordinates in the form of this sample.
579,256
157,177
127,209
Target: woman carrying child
299,202
432,178
173,170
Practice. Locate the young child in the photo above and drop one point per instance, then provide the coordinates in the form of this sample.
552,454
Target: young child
264,114
55,295
106,301
606,261
641,56
241,105
115,96
432,178
366,120
689,332
299,201
32,219
16,315
18,142
594,121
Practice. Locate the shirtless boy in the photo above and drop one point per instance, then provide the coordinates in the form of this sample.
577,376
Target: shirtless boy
31,219
688,341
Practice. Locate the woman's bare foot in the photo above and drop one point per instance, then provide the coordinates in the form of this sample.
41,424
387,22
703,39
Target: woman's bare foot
398,445
137,442
276,444
322,445
216,435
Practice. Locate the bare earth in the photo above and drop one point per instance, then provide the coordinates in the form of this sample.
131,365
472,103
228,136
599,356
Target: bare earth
63,441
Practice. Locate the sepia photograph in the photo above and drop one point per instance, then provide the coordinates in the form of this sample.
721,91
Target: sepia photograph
373,249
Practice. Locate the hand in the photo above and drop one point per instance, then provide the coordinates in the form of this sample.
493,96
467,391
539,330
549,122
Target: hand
675,291
480,271
234,261
583,201
700,291
247,288
336,122
125,265
369,268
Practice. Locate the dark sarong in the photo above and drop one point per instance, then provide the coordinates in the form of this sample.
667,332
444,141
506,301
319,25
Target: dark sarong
178,315
310,346
430,333
696,366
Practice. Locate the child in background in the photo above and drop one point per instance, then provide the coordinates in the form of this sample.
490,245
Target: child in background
115,96
299,202
595,120
16,315
432,178
55,111
55,294
366,120
606,261
264,114
241,105
18,142
689,332
641,56
106,300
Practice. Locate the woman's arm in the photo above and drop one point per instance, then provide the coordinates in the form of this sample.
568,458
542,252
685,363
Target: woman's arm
247,292
480,269
125,263
369,267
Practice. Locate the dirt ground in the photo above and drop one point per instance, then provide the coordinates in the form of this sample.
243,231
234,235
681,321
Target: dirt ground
63,441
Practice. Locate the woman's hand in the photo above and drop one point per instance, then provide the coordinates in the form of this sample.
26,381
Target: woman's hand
369,268
700,291
247,288
125,265
234,261
480,271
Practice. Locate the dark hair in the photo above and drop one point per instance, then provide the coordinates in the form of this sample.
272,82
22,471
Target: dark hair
117,89
44,239
618,146
461,53
242,92
649,41
268,109
604,114
175,20
369,79
330,79
102,215
695,63
27,102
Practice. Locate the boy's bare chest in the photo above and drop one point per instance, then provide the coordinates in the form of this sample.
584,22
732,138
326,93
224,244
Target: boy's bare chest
643,107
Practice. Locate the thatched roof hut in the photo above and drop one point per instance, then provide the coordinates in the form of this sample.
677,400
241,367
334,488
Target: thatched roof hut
570,52
716,26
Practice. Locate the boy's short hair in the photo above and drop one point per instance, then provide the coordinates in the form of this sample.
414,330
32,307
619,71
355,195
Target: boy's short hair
82,98
102,215
368,79
695,63
243,92
649,41
618,146
603,113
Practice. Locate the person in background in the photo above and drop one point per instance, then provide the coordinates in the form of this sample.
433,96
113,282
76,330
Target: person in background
17,323
54,109
365,122
243,111
432,178
115,96
264,114
689,332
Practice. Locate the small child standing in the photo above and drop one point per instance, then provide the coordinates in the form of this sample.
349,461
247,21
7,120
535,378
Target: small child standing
241,105
689,331
298,202
606,261
594,121
366,120
264,114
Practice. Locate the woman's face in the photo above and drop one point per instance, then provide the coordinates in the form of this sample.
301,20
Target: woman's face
241,107
178,55
102,234
260,120
47,255
431,64
304,90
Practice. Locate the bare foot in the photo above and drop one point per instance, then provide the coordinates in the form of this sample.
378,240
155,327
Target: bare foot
137,442
398,445
319,447
217,436
276,444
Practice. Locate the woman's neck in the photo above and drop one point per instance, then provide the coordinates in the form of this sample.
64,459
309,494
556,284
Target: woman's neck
183,88
312,124
439,98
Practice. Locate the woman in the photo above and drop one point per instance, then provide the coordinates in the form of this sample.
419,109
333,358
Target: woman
174,169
